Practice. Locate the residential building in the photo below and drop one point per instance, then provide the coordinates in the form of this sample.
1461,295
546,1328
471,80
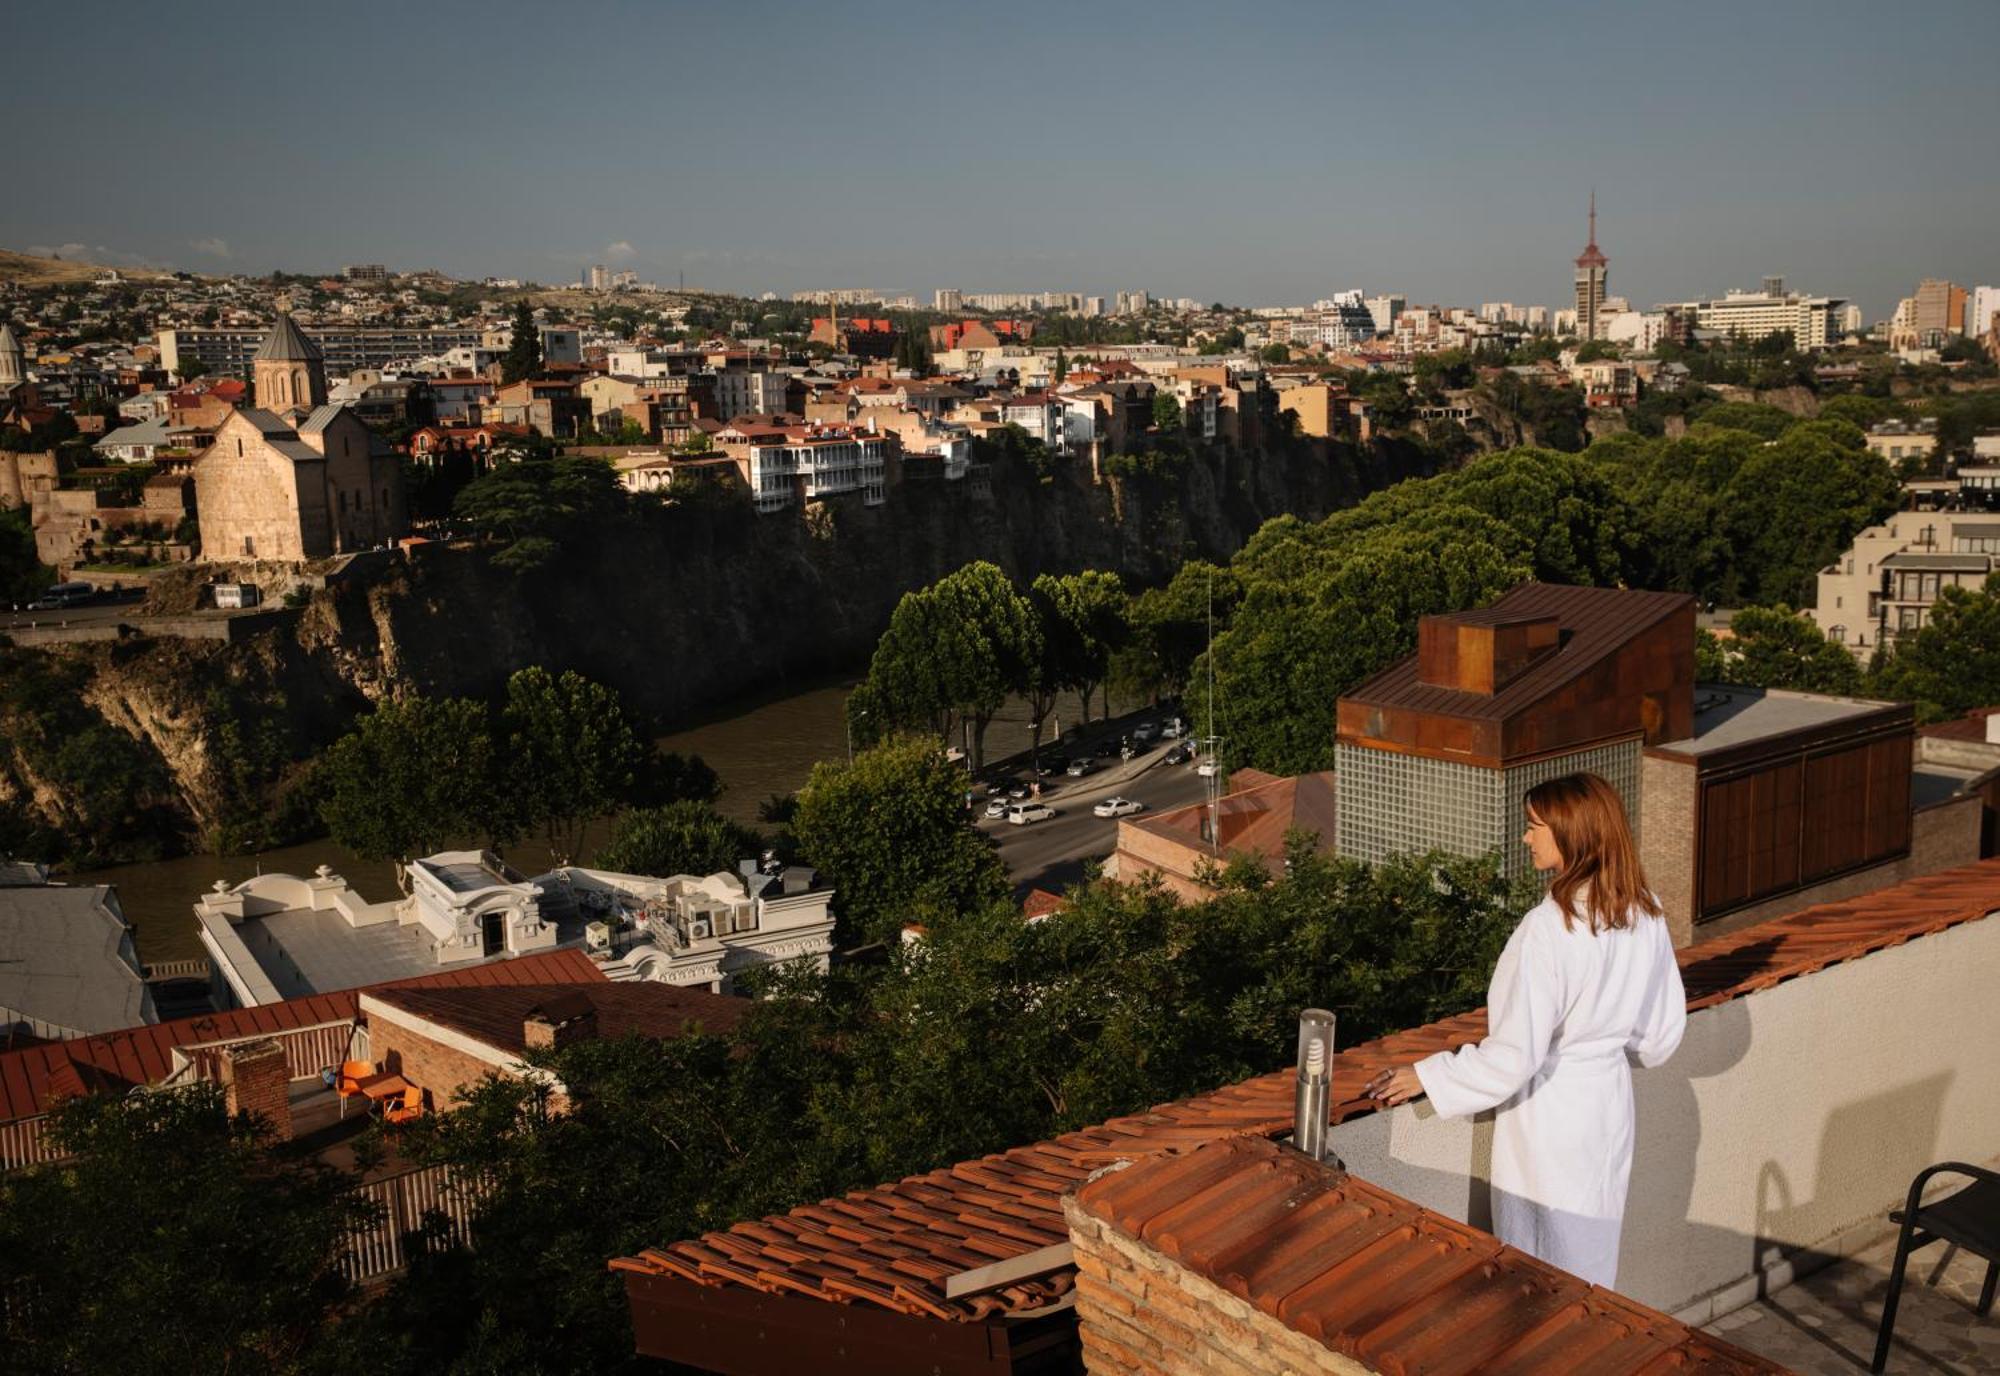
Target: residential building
600,277
445,1040
1188,847
788,466
366,272
1593,270
231,351
751,387
1885,583
278,936
1383,311
1901,441
1940,310
1639,331
1982,311
1321,407
68,964
551,406
1814,322
948,300
1606,382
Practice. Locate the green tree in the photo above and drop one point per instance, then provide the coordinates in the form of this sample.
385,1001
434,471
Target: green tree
537,508
890,832
1166,413
171,1238
1168,629
1059,370
1796,504
411,777
1775,647
1951,664
523,358
1275,353
952,653
1083,624
687,837
570,755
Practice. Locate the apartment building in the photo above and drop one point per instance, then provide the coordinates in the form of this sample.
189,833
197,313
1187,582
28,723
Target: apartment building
344,350
1885,584
1814,321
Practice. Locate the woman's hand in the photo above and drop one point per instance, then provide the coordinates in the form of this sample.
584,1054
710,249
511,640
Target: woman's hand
1397,1086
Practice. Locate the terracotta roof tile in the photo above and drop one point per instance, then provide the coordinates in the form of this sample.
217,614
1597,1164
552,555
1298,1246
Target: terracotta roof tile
31,1077
1010,1203
1376,1278
498,1017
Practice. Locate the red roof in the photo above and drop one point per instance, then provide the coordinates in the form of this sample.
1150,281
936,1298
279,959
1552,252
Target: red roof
498,1017
1375,1278
1040,903
32,1076
1970,727
893,1245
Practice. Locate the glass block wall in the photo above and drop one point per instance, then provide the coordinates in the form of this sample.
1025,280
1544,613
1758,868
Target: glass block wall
1392,804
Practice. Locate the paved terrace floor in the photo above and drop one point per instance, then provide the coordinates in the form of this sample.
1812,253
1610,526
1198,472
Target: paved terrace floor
1826,1322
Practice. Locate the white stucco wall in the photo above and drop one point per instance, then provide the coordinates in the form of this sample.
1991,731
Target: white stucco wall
1779,1136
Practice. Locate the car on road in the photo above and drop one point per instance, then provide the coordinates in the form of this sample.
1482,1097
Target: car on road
1118,807
1079,767
1146,732
1180,754
996,809
1105,750
1019,789
1172,730
1022,814
1208,769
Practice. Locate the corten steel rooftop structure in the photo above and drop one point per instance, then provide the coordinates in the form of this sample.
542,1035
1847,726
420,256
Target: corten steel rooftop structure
1438,749
963,1269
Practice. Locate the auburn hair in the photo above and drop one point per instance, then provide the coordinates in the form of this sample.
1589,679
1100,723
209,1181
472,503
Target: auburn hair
1587,819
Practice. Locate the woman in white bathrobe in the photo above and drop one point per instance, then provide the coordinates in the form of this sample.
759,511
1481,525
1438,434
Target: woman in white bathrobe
1585,985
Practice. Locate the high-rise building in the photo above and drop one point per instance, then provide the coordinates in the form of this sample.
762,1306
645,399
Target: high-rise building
600,277
1814,321
1981,305
367,272
1592,271
948,299
1383,310
1940,307
1093,305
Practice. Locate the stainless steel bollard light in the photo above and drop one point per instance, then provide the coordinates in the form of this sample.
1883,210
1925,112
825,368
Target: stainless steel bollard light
1309,1099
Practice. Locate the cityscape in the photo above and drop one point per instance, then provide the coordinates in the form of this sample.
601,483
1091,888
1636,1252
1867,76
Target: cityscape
1352,725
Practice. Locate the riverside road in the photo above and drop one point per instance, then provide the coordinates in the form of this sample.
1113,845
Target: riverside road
1051,854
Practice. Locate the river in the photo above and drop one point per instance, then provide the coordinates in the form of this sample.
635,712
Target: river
757,748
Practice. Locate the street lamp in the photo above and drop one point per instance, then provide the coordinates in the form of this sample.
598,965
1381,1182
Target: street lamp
848,721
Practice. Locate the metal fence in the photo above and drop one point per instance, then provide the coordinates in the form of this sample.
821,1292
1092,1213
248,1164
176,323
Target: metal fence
22,1143
383,1249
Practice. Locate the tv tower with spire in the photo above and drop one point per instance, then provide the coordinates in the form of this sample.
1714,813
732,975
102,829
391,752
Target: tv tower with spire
1593,269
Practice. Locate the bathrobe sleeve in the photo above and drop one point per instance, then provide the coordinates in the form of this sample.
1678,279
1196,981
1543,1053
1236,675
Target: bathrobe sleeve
1524,1006
1663,1020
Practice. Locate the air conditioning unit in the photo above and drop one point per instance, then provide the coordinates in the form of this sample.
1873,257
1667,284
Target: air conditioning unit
698,929
597,936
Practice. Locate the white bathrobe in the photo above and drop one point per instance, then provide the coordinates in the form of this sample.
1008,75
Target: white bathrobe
1564,1012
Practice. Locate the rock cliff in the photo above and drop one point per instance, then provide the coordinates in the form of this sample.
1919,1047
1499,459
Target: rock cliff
679,610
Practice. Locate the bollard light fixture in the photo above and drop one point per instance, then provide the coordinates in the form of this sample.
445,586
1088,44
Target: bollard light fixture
1311,1096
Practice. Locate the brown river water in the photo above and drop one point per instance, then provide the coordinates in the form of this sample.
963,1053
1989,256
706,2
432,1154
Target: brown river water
757,747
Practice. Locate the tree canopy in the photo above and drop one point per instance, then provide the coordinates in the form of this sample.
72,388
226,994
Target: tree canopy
568,754
891,833
685,837
1775,647
411,777
536,507
523,358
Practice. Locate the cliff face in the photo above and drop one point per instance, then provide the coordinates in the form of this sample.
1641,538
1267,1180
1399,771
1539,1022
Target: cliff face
678,613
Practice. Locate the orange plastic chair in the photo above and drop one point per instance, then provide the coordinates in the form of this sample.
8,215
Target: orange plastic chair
348,1081
410,1105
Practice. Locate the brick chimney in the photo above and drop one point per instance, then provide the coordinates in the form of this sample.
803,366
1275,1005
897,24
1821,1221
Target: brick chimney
562,1021
256,1079
1475,653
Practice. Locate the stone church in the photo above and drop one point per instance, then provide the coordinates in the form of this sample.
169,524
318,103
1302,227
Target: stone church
292,478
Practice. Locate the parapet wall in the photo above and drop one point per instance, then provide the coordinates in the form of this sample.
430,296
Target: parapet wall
1789,1123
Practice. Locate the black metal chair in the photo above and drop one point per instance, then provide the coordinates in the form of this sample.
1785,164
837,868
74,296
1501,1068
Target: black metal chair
1968,1218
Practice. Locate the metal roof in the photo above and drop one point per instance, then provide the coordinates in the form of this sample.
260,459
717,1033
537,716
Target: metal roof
67,964
1595,622
287,343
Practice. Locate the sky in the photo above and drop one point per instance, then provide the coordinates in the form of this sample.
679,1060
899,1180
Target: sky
1258,155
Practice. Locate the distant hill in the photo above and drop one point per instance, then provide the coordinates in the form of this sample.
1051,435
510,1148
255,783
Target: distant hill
33,271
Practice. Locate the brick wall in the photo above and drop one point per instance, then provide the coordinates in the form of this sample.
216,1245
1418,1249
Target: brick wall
1666,839
1140,1314
256,1079
443,1070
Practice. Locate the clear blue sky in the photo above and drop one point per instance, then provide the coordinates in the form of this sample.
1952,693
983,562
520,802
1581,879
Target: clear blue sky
1258,154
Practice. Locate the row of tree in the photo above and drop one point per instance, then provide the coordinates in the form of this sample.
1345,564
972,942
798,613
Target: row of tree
955,652
990,1033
